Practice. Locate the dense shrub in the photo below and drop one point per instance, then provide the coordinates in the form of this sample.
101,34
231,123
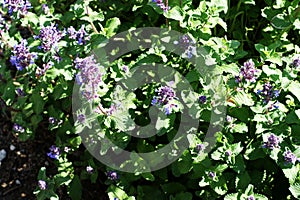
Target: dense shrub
48,48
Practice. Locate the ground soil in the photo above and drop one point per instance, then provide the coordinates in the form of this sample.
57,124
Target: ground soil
18,171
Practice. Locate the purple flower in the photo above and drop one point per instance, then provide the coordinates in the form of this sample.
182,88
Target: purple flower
169,108
202,99
54,152
81,118
22,58
125,68
15,6
272,142
42,184
296,62
81,35
248,71
200,147
52,120
89,75
45,9
111,109
89,169
186,44
41,71
20,92
268,92
161,4
49,36
250,197
211,174
164,95
289,157
112,175
17,128
228,153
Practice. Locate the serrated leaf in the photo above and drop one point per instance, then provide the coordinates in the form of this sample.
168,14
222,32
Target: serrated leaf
295,190
175,13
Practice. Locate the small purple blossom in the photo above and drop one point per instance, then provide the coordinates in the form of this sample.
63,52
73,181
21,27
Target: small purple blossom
81,35
296,62
268,92
15,6
42,71
250,197
112,175
289,157
17,128
186,44
42,184
81,118
125,68
228,153
202,99
248,72
52,120
161,4
89,169
45,9
200,147
272,142
211,174
49,36
54,152
20,92
21,57
169,108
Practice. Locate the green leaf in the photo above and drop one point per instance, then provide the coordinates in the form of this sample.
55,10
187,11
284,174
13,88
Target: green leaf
175,13
111,26
148,176
242,180
75,190
280,21
295,190
294,88
173,187
37,102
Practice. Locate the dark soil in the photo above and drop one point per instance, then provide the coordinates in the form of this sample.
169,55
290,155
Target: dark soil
19,170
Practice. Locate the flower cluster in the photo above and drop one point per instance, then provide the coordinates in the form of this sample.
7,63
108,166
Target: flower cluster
268,92
248,72
112,175
49,36
187,44
54,152
200,147
272,142
18,128
21,57
15,6
81,35
165,95
89,75
42,184
289,157
161,4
